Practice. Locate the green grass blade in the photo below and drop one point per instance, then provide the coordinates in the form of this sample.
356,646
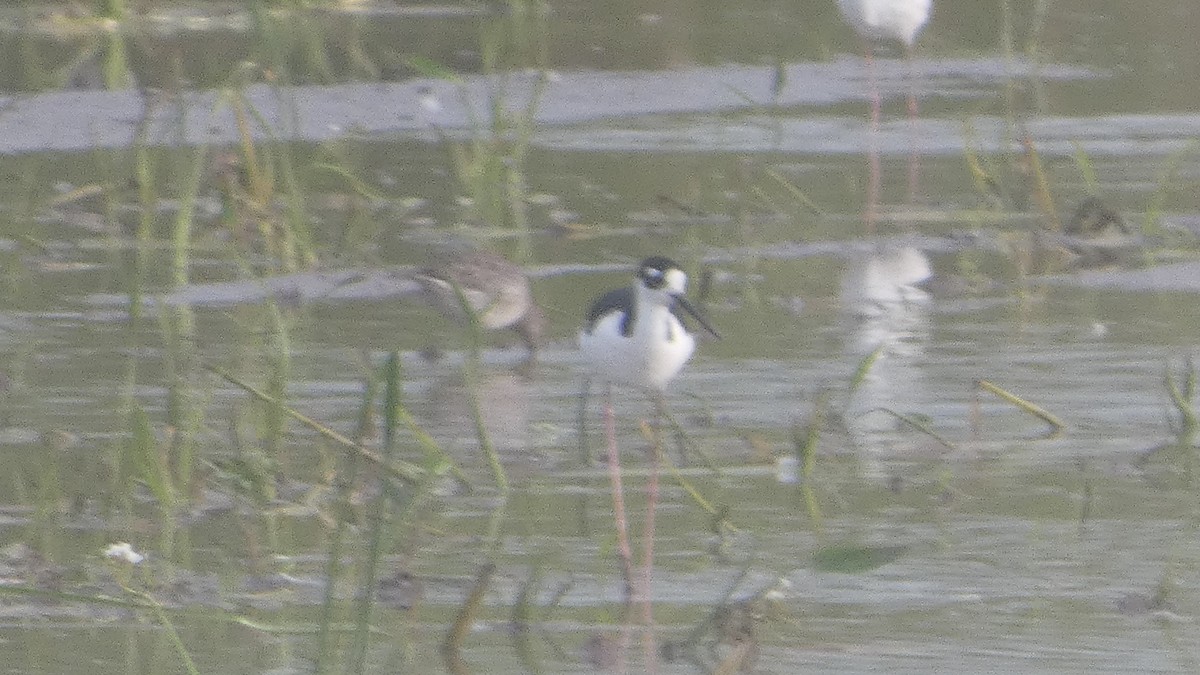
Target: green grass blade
1087,171
864,368
1056,424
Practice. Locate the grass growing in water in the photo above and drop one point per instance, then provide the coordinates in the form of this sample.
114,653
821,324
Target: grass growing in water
263,192
471,378
1056,425
490,163
1183,422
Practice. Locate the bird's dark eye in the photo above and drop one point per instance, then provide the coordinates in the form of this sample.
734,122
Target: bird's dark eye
653,277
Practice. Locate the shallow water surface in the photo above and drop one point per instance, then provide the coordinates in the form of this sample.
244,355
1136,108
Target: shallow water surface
937,525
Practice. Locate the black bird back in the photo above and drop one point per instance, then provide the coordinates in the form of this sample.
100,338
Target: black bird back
622,300
618,299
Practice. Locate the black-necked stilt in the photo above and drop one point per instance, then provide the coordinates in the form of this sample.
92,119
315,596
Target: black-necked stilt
634,336
494,289
881,20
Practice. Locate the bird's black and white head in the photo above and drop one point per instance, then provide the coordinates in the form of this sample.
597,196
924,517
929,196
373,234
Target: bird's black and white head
635,335
661,281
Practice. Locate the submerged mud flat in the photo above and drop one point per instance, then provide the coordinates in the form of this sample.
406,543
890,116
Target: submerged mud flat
1168,278
76,121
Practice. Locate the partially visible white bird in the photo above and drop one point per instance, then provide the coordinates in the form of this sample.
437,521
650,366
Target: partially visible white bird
900,20
876,21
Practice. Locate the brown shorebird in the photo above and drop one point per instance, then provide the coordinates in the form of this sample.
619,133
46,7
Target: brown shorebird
495,291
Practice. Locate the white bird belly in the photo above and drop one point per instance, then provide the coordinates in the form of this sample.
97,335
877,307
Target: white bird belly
649,358
887,19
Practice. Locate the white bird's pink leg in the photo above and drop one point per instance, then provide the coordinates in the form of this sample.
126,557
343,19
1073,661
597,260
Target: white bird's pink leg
874,176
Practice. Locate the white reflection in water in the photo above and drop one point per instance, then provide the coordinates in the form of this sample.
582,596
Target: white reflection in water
886,281
885,308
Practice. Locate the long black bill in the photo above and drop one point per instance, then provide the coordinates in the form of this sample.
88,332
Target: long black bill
682,302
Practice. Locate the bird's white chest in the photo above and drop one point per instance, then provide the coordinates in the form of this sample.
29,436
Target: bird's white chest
650,356
887,19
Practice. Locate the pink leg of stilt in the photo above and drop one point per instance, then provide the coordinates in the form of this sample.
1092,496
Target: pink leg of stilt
651,648
873,178
914,160
648,536
614,472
